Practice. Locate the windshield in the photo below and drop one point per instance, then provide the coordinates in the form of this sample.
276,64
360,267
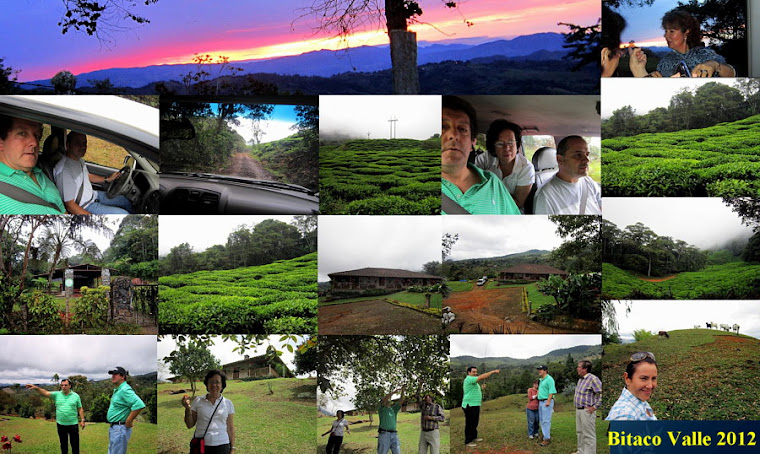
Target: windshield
271,142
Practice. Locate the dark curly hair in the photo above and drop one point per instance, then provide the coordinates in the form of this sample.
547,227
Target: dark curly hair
213,372
678,18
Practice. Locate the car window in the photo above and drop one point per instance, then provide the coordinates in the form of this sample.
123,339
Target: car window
533,143
99,151
595,158
272,142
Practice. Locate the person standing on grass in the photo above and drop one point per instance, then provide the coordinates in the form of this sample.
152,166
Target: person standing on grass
588,395
336,432
546,392
431,414
212,415
124,407
68,414
531,410
471,400
387,435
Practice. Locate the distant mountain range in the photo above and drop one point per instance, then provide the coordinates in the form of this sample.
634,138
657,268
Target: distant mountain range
491,362
326,63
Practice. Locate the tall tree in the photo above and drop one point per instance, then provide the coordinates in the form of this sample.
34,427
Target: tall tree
582,250
66,233
190,361
343,17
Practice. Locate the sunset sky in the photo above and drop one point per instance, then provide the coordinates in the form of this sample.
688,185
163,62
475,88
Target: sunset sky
248,29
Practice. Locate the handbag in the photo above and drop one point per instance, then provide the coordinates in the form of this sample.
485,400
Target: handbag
198,444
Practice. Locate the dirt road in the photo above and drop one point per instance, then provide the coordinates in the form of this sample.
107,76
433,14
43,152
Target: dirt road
243,165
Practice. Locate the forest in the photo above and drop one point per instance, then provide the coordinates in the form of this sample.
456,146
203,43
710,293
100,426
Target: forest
33,247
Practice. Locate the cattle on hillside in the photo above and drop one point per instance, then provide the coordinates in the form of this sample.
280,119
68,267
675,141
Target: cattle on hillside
735,328
663,334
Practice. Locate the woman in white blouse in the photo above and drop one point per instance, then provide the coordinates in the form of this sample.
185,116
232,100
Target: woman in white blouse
218,430
503,143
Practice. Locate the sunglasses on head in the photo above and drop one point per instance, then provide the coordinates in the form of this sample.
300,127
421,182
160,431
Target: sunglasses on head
640,356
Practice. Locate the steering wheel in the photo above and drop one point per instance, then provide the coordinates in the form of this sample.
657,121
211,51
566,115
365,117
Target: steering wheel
122,184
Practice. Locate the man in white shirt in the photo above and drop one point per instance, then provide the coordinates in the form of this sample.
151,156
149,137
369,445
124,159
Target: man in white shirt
571,190
74,182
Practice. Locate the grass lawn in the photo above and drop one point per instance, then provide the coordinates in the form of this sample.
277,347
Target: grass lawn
41,437
697,368
363,438
537,298
417,299
503,427
457,286
266,421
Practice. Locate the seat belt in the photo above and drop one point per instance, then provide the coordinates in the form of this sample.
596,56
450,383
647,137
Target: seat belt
23,196
449,206
584,197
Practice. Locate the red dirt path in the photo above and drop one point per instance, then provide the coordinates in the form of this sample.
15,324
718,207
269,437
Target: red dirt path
495,310
657,279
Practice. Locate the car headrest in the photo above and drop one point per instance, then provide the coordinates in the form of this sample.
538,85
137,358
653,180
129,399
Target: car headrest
545,158
52,151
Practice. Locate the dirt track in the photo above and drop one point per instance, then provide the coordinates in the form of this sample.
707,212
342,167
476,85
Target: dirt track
243,165
658,279
375,317
495,311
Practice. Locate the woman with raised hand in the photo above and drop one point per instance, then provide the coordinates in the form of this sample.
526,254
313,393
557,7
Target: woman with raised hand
212,416
640,378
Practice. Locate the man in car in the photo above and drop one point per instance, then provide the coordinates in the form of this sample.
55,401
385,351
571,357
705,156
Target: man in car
24,188
74,182
571,190
465,188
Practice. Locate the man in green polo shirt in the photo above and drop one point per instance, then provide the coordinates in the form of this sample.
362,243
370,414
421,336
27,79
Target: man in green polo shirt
475,191
68,413
19,148
124,408
546,392
387,435
472,397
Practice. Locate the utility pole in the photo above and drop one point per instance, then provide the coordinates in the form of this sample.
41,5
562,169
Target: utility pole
392,122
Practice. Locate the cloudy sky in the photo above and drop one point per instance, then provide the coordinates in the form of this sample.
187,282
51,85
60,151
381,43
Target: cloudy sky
352,242
657,316
702,222
493,236
202,232
520,346
222,350
419,117
246,29
35,359
627,91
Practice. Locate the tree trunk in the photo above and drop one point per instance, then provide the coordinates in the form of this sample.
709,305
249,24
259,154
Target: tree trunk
406,79
427,300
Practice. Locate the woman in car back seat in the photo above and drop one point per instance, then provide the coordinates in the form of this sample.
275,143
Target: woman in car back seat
503,142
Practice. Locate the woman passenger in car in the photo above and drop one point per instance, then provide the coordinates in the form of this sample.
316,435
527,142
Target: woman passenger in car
503,143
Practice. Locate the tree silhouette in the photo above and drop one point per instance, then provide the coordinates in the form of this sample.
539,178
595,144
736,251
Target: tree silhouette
343,17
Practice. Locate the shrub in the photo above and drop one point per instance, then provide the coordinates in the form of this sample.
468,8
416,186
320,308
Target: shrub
44,317
641,334
91,310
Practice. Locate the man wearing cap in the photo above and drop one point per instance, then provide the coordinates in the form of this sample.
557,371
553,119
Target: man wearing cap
546,392
387,435
124,408
68,414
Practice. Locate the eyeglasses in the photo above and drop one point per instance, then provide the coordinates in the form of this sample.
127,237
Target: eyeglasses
640,356
501,144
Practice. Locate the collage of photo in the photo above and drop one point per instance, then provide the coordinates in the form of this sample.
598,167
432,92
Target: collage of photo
223,228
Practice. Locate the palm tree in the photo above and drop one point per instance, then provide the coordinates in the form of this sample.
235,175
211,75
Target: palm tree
65,234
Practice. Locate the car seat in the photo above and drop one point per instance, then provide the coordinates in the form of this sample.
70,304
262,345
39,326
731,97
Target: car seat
545,163
52,151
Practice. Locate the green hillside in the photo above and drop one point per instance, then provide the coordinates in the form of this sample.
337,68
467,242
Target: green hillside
722,160
734,280
702,374
274,298
289,160
398,176
271,416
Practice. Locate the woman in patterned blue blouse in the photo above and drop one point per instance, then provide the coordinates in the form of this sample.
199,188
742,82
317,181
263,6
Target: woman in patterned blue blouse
640,381
684,36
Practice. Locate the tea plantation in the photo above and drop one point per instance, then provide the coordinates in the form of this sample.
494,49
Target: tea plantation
398,176
719,161
280,297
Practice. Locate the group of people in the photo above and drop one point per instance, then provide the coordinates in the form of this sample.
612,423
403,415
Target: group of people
124,407
689,58
500,180
26,189
540,406
431,415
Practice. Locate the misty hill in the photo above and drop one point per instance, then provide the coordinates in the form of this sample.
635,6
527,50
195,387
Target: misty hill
491,266
577,352
326,63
